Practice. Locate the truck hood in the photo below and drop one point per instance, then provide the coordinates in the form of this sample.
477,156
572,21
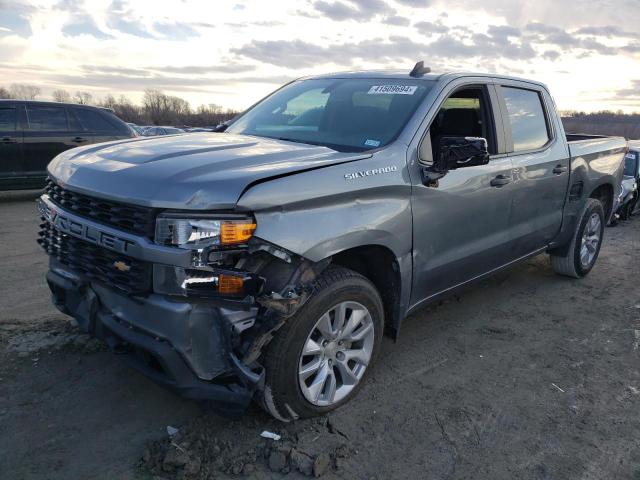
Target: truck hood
193,171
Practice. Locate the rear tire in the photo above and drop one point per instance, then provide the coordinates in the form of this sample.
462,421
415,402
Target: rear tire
287,395
585,244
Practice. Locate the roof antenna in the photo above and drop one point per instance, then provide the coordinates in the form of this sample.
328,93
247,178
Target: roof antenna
419,70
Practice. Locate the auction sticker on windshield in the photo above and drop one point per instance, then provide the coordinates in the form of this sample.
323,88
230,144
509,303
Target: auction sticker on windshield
392,90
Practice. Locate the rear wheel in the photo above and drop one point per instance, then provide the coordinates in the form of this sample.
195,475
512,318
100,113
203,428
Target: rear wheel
319,359
585,244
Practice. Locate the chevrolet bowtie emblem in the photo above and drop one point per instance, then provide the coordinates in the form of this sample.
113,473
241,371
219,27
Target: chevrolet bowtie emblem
120,265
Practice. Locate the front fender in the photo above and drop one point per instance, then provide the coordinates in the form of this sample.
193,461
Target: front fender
319,213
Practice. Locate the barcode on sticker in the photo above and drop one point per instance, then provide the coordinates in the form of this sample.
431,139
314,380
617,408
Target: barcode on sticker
392,90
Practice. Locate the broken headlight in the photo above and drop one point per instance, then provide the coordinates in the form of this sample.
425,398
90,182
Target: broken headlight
201,232
215,242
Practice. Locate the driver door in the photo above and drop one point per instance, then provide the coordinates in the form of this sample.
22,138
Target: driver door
460,228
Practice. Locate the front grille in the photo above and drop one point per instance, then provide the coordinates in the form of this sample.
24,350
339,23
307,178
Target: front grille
96,263
129,218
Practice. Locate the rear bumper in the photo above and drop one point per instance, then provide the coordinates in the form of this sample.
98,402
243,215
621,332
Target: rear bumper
185,347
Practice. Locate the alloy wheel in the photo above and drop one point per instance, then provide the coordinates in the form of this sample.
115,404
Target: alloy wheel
590,240
336,354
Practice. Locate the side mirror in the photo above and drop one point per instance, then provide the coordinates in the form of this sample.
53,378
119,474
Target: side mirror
459,152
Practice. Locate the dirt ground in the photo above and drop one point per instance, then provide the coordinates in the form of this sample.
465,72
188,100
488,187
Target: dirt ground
526,375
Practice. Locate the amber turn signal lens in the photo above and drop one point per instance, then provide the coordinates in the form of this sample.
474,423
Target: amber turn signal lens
230,285
232,233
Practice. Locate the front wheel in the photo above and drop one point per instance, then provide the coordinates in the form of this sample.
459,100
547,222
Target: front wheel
585,244
320,358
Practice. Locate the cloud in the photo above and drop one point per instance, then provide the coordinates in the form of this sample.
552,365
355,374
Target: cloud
202,69
290,53
396,20
428,28
633,92
503,31
133,27
352,9
124,20
552,35
120,80
299,54
631,48
84,25
14,19
152,71
537,27
414,3
175,30
551,55
608,31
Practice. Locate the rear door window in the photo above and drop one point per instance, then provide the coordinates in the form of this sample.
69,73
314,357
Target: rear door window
8,118
529,127
92,121
46,119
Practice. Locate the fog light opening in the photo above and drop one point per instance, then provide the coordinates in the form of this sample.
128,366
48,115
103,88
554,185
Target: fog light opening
230,285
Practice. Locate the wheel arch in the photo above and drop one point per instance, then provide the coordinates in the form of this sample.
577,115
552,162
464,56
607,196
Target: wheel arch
604,193
381,267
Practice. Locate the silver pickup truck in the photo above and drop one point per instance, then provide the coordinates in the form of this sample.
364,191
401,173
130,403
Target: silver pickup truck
267,261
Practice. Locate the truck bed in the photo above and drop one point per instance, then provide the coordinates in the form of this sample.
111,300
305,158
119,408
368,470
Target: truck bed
586,145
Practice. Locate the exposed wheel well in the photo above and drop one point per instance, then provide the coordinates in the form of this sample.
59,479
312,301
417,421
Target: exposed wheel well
379,265
604,193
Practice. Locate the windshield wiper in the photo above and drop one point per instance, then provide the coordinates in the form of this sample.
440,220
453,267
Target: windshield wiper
295,140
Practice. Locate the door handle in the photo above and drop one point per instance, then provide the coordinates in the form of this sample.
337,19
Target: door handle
559,170
8,140
79,140
500,181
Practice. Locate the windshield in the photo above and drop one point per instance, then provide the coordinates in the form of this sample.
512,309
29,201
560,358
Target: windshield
630,164
343,114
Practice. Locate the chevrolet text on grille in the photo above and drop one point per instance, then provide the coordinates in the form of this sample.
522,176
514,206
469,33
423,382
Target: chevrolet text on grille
85,232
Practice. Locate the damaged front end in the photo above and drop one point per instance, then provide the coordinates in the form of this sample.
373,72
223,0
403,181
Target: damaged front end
192,305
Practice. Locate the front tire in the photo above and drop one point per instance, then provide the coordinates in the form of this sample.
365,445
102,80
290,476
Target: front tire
322,355
585,244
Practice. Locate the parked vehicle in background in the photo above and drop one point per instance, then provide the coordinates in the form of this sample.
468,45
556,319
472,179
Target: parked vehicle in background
156,131
628,198
266,262
136,128
32,133
198,129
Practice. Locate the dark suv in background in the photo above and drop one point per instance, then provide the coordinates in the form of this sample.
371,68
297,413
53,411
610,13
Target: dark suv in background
32,133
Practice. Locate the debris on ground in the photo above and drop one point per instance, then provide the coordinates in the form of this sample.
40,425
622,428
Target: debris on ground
271,435
171,431
199,451
54,334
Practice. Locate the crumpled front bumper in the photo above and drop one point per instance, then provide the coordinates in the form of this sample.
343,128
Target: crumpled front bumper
182,346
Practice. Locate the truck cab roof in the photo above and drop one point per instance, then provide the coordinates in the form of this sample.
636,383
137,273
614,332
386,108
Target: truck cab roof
404,75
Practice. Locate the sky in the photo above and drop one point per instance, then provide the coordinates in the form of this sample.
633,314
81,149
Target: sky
234,52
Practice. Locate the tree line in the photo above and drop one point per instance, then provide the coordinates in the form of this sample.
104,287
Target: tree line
156,108
604,122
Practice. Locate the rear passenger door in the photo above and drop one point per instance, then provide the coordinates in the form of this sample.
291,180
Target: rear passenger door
46,135
11,161
534,141
91,126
